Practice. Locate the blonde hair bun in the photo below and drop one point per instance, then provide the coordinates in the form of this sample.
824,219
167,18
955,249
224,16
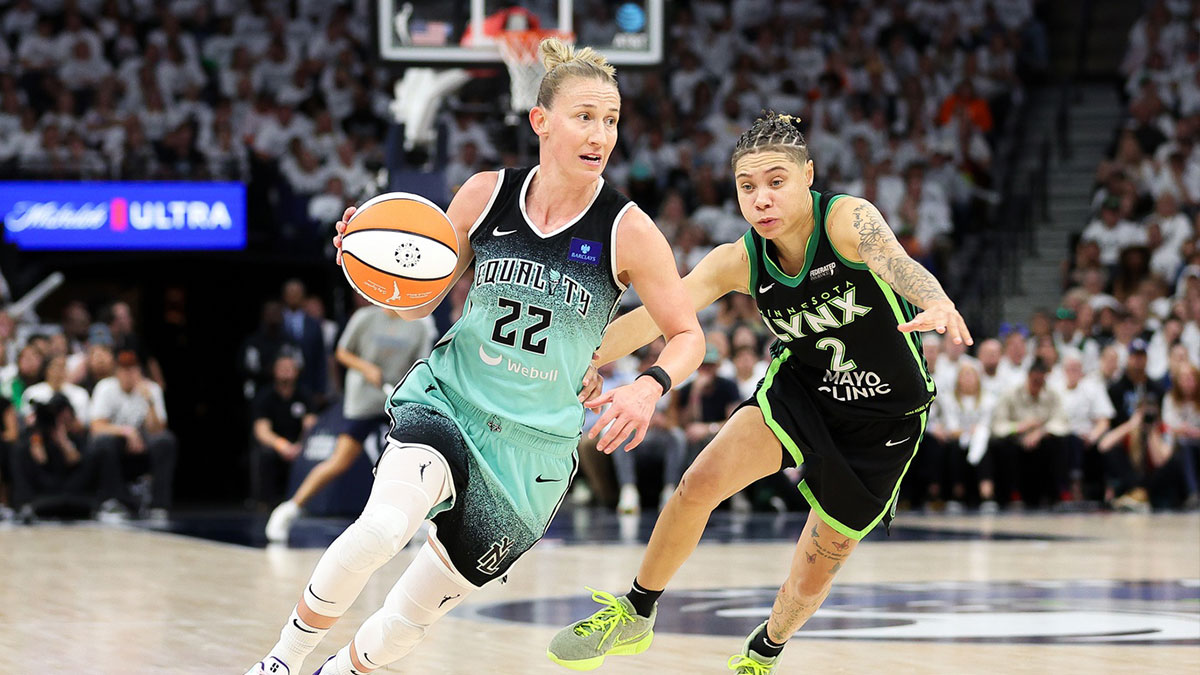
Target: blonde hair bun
562,61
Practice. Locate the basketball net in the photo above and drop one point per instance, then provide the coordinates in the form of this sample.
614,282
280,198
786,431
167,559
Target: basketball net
519,49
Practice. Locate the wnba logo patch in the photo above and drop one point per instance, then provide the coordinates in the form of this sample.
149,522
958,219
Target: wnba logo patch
585,251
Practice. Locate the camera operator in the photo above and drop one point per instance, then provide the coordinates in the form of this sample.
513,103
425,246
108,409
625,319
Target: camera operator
49,464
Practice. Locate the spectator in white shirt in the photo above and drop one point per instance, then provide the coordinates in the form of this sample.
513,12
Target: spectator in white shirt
73,31
39,51
275,70
297,90
994,381
128,412
276,133
349,167
1181,421
328,206
1112,233
56,383
85,69
20,19
302,170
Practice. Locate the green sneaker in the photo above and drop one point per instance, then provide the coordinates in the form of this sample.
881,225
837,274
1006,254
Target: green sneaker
614,630
751,662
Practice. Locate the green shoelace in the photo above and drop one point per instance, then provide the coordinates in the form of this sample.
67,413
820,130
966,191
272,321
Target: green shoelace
748,666
614,614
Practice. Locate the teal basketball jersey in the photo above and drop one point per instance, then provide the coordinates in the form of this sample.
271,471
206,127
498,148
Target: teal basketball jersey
537,310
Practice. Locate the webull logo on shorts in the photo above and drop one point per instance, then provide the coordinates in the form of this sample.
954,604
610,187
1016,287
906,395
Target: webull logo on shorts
517,367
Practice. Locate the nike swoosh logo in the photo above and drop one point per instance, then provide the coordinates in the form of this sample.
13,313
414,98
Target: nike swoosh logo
764,289
539,479
488,359
302,628
635,638
497,233
891,443
310,590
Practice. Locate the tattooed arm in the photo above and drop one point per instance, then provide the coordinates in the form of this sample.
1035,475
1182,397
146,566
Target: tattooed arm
859,233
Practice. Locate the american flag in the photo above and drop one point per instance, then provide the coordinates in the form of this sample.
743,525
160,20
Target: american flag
430,33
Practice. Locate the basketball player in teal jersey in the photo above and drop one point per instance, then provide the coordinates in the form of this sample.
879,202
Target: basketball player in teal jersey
484,432
845,396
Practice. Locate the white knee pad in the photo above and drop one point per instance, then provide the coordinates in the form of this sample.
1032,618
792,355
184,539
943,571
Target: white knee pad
375,538
409,481
424,593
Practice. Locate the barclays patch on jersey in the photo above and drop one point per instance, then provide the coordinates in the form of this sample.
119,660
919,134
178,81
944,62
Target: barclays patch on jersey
585,251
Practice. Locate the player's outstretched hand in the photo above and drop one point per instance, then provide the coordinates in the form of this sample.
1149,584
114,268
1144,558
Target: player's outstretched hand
630,413
593,383
341,229
942,317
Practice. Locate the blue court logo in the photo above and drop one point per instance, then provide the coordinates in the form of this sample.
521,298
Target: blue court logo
1088,611
631,18
585,251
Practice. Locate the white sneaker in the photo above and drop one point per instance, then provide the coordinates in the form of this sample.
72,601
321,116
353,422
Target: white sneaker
112,512
667,491
630,501
581,494
280,522
158,517
269,666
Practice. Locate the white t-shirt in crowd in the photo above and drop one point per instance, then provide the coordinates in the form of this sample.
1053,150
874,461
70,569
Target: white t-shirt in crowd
42,392
117,406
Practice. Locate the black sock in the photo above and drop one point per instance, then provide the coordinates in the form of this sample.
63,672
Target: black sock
642,599
761,644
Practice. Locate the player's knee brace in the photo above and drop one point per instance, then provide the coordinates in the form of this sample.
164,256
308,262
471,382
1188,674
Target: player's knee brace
375,538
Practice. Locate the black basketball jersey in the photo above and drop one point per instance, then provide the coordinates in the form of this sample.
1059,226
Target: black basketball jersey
836,323
537,310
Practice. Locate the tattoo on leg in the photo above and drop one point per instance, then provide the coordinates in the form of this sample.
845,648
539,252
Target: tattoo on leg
815,534
843,545
812,557
789,613
828,554
833,570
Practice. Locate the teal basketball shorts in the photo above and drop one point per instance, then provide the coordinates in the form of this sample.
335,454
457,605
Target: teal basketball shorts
509,479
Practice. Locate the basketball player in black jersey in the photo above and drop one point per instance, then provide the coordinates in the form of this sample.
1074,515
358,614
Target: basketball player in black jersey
846,395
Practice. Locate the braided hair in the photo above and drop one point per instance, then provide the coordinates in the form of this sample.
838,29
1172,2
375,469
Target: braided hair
773,132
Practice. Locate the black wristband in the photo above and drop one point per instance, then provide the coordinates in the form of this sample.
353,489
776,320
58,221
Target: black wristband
660,376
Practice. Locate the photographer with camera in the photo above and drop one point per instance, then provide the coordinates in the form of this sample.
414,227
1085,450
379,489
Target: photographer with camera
48,464
1130,448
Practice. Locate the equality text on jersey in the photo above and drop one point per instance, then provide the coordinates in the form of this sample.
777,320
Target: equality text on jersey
824,311
535,275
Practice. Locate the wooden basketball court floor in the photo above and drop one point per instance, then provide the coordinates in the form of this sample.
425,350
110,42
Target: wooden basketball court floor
1025,593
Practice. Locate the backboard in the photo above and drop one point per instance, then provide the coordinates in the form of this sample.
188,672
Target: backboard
458,32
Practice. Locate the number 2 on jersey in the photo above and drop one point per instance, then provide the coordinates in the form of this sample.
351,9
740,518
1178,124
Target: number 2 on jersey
528,339
837,362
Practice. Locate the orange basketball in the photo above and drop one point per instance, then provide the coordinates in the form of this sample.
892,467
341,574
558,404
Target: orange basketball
399,250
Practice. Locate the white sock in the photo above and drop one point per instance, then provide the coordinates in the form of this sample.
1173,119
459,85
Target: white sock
296,641
342,665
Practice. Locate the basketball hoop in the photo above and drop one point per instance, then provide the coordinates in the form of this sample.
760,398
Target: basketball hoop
519,49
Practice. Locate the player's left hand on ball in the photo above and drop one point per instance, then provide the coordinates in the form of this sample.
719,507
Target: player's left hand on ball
593,383
943,318
341,229
630,413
